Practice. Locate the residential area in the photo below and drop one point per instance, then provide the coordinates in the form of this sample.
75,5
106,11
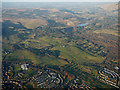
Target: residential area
109,77
47,79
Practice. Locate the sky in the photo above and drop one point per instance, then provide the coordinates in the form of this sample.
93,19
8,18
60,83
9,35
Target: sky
60,0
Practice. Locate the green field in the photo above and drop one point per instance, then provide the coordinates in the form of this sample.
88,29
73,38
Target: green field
74,54
17,67
106,31
44,41
51,60
22,55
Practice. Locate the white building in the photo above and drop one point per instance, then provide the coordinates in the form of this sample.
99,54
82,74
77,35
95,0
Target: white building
24,67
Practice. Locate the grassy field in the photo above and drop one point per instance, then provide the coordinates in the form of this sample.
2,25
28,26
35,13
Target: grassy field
51,60
17,67
53,41
74,54
22,55
44,41
32,23
106,31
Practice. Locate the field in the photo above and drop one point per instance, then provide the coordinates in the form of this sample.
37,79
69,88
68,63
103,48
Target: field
25,55
32,23
105,31
17,67
44,42
74,54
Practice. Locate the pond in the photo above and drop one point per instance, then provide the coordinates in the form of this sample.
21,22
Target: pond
84,24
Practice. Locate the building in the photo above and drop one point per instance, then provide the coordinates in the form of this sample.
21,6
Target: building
24,67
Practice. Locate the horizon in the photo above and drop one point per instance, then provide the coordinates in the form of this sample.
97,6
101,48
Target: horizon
60,1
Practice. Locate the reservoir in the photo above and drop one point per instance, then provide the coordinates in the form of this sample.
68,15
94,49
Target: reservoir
84,24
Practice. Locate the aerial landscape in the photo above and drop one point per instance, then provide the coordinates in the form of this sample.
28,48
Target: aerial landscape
60,45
